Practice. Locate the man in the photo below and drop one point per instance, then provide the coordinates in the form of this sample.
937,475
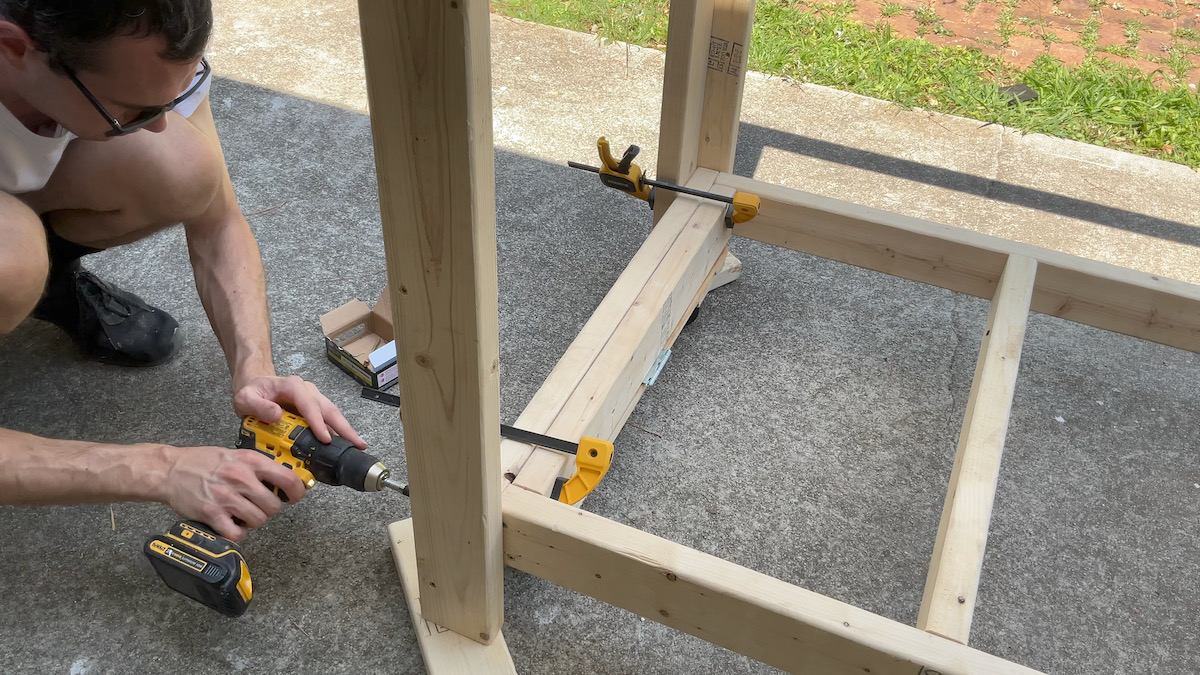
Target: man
106,137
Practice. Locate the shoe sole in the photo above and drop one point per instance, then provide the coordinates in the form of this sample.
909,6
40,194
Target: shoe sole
131,363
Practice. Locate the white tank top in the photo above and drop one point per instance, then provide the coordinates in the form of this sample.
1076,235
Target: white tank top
27,159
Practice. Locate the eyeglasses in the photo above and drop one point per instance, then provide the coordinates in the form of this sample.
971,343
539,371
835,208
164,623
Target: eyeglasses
147,115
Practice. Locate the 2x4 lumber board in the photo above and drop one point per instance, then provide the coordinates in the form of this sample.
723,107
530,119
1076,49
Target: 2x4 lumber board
952,586
599,404
443,651
1113,298
429,87
568,467
596,334
725,79
748,612
688,36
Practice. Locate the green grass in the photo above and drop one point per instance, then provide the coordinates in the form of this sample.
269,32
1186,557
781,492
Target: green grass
641,22
1005,26
1047,36
1133,31
1187,34
1096,102
1091,31
1120,50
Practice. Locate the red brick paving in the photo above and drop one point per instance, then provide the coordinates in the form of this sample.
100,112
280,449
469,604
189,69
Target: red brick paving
1018,31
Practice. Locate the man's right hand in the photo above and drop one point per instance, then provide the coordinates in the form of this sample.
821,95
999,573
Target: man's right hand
224,488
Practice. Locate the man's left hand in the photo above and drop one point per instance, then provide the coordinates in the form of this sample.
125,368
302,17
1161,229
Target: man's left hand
265,396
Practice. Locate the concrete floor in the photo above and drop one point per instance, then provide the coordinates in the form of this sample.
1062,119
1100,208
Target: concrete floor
824,401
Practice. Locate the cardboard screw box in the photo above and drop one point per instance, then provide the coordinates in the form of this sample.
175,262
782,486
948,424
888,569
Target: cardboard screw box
360,341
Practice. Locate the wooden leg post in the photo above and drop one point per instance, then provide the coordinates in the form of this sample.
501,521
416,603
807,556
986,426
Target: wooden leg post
702,98
445,652
725,79
429,86
683,96
721,111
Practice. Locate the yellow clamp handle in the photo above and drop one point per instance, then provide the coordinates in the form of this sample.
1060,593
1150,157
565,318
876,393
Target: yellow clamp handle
624,175
591,463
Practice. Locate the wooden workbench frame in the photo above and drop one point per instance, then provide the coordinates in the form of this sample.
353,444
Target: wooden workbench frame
479,502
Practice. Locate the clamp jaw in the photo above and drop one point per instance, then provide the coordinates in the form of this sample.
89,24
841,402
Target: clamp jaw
592,460
744,207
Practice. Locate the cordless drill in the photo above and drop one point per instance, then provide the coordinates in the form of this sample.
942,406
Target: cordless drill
196,561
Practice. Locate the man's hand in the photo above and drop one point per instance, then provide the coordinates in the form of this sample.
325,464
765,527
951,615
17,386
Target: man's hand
264,396
224,488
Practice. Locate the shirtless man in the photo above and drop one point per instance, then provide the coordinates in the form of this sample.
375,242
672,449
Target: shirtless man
106,137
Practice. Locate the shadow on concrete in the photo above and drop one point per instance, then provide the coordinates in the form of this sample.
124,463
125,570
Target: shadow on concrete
753,139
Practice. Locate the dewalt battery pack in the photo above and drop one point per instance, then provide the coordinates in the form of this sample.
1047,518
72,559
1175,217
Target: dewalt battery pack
204,566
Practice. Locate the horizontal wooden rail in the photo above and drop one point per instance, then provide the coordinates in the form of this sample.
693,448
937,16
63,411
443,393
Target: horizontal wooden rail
953,582
590,391
751,613
1126,301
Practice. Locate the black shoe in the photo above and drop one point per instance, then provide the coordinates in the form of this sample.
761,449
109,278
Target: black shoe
106,323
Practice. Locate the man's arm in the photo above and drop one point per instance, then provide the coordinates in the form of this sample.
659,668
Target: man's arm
229,277
213,485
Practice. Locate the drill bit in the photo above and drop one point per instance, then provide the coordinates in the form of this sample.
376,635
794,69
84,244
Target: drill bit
396,485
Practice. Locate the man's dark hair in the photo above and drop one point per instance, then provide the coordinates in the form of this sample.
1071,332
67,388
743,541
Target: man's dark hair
72,31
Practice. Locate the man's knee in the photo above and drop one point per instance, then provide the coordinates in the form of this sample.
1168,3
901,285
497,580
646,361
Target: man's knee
189,183
148,180
24,265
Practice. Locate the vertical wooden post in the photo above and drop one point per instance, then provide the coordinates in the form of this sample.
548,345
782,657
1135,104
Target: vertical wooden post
705,72
724,81
953,581
429,87
683,96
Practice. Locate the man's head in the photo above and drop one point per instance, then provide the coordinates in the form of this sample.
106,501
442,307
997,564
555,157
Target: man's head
131,54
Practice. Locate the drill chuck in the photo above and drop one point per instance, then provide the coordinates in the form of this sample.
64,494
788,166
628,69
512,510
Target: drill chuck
376,475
